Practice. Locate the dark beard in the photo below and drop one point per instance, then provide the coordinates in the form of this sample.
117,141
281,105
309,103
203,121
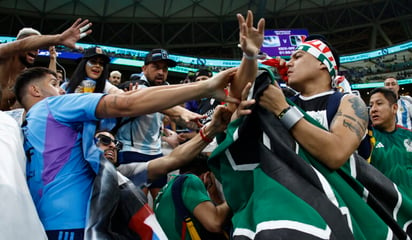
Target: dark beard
24,61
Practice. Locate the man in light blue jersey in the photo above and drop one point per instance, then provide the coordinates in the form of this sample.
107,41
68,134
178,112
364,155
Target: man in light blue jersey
404,114
59,140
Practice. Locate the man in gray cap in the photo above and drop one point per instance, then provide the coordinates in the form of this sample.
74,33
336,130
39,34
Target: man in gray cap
156,67
142,136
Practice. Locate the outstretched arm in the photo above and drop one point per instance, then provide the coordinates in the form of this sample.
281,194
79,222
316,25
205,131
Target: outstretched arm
156,99
68,38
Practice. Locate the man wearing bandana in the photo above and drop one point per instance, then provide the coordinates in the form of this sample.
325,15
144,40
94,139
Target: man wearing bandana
311,71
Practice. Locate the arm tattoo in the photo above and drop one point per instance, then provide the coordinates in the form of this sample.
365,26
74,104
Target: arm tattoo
354,129
356,125
104,108
359,108
358,130
107,105
113,103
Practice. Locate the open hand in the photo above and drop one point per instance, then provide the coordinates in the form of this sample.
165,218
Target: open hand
77,31
250,38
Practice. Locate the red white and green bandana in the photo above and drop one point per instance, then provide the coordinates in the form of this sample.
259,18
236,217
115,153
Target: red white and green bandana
321,52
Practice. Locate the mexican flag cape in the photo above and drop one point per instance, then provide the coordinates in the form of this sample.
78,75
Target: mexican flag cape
118,210
277,190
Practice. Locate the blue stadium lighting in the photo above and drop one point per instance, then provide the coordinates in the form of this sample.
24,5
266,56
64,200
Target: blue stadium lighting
213,62
378,84
135,55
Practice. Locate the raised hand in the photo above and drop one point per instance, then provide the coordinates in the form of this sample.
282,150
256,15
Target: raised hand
217,83
250,38
77,31
52,53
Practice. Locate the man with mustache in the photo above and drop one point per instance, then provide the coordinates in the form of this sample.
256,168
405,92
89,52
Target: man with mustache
392,151
18,55
142,136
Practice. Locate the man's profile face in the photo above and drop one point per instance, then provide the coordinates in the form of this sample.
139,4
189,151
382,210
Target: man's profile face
302,66
50,86
156,72
392,84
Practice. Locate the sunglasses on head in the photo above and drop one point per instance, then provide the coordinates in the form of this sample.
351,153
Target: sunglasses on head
105,140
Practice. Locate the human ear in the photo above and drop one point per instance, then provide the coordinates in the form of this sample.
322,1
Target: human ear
395,107
34,90
323,66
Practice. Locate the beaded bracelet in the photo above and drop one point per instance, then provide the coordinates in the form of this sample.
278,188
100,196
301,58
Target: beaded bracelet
204,137
291,116
281,114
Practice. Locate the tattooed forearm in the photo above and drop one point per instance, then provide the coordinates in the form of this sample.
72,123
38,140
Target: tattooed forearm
359,108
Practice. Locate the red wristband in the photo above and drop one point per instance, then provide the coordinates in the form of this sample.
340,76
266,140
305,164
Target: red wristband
204,137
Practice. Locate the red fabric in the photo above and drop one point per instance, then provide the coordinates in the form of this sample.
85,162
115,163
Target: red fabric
138,225
282,70
183,230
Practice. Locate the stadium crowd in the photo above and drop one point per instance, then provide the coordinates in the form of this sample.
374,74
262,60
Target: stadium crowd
219,156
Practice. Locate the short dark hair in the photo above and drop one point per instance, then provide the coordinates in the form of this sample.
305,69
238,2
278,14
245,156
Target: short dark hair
28,76
387,93
197,166
105,130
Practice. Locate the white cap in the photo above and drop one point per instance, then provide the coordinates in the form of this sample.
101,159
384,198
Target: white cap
25,32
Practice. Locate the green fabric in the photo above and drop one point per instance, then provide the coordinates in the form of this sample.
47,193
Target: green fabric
194,193
255,198
392,155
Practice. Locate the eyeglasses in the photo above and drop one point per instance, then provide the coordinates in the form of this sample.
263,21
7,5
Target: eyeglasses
105,140
94,62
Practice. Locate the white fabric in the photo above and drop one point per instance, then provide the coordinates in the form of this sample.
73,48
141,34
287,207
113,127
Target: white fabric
19,219
109,88
133,169
404,114
17,114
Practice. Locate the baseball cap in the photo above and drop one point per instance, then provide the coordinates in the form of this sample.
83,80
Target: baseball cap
94,52
157,55
203,72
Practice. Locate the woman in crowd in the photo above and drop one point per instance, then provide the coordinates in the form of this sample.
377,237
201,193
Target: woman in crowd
91,74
